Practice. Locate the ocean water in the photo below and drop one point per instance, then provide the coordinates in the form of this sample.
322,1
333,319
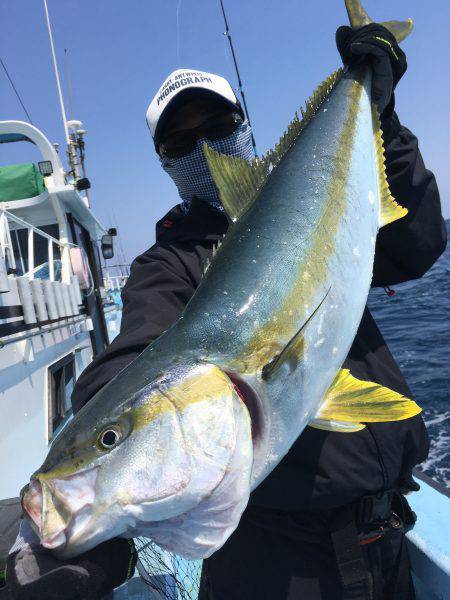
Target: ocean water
415,323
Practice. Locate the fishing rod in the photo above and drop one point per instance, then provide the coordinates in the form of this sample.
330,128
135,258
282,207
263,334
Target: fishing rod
15,90
230,41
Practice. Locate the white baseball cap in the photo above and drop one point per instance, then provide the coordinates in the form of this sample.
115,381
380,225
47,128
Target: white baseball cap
186,79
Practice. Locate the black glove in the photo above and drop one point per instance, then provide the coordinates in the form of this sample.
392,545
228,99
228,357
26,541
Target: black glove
34,573
388,61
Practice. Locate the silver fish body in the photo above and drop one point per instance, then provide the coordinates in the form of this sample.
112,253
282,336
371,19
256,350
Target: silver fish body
172,446
307,240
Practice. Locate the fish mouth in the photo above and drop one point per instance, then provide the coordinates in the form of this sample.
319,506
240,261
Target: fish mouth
58,508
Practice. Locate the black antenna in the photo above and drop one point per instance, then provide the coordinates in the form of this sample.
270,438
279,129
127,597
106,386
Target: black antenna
230,41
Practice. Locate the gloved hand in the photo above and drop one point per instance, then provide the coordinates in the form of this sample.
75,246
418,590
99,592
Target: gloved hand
34,573
376,43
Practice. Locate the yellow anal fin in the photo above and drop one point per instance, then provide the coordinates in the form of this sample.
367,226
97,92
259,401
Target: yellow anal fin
356,401
390,210
337,426
358,17
239,182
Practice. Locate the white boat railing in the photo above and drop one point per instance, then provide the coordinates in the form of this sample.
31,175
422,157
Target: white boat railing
44,294
114,283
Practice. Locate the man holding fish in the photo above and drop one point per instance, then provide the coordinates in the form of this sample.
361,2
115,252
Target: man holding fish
196,443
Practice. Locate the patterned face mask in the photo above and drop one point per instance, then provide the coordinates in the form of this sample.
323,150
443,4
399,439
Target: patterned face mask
190,173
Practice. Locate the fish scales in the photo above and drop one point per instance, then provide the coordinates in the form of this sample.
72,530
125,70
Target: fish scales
302,222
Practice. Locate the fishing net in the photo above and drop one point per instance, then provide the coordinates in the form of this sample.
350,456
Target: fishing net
169,576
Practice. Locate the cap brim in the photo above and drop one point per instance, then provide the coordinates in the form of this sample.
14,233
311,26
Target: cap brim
184,96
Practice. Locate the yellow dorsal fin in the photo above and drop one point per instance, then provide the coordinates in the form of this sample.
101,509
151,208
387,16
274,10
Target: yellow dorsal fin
239,182
358,17
352,400
389,209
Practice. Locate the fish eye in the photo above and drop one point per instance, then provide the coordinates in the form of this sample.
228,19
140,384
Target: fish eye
109,438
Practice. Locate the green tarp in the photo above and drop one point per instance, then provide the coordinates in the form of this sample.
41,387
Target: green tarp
20,181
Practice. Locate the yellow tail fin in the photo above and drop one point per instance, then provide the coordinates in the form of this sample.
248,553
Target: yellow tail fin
358,18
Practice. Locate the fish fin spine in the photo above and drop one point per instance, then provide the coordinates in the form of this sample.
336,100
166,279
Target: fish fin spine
357,401
215,248
358,17
390,210
239,182
206,265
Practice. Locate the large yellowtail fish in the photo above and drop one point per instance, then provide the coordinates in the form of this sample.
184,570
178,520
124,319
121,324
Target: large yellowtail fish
172,447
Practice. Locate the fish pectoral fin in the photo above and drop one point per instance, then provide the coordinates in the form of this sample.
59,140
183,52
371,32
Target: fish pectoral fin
354,401
290,356
338,426
293,352
239,182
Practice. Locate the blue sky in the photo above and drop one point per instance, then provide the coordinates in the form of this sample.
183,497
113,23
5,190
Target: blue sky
120,52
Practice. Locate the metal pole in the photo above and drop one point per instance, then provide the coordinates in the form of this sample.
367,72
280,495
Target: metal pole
31,253
70,149
69,81
51,264
55,66
230,41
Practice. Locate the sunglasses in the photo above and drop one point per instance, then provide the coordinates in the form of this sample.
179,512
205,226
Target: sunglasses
216,128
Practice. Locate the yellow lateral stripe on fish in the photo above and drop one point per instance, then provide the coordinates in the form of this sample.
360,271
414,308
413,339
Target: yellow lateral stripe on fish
204,384
312,271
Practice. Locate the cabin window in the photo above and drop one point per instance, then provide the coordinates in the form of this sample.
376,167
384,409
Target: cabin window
19,239
61,379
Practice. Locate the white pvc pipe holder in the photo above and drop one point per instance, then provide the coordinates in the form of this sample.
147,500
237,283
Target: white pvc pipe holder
66,300
39,300
50,299
59,299
76,286
73,299
26,299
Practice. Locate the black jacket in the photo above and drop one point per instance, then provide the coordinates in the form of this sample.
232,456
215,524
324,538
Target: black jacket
322,469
